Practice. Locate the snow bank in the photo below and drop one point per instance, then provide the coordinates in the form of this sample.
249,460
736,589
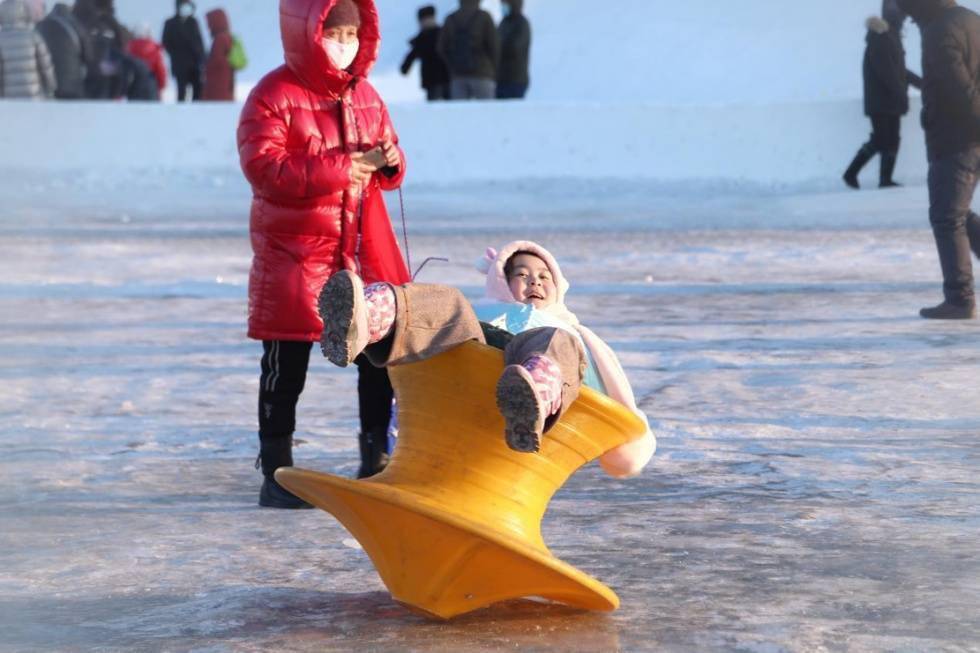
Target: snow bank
789,144
691,52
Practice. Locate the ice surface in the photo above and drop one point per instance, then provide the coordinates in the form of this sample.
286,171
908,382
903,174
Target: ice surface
815,486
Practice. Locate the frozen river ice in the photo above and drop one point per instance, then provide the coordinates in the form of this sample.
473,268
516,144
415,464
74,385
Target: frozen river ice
816,487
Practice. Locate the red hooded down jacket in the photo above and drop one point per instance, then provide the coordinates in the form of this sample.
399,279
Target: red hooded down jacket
219,78
295,136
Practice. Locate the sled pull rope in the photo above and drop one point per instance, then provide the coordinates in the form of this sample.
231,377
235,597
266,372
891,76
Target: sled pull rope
408,254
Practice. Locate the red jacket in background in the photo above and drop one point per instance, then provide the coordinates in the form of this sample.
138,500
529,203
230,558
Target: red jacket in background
219,78
151,53
297,131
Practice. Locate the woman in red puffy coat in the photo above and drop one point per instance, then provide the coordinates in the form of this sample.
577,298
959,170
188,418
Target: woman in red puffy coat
219,78
318,147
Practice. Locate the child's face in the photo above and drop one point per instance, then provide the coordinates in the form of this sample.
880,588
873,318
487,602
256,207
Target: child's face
342,34
531,282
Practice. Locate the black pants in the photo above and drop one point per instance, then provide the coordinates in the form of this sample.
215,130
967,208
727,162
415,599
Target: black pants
886,133
187,78
952,182
284,366
437,92
511,91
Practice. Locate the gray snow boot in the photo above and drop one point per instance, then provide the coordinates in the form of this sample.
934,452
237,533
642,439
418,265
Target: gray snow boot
950,311
344,314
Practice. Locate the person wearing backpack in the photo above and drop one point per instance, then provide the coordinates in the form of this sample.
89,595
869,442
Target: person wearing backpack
219,76
471,47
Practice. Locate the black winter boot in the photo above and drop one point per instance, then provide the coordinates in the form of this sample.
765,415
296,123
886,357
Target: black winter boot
950,311
276,452
863,155
887,170
374,452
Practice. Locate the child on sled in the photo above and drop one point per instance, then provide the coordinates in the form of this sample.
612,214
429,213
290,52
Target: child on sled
550,356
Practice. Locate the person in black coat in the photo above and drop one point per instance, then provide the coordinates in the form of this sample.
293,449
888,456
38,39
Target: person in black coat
185,47
70,48
886,95
515,52
435,75
107,39
951,121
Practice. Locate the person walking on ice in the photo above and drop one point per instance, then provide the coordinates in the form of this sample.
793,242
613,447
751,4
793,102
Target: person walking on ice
548,354
886,95
951,121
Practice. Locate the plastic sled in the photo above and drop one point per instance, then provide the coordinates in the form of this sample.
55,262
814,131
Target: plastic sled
454,522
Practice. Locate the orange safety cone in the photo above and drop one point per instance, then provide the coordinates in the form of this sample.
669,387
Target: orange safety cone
453,523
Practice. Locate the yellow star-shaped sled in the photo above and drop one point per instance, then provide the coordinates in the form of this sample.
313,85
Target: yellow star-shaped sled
454,521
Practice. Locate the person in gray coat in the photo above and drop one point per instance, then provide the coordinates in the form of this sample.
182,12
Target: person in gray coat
26,70
951,120
70,48
471,48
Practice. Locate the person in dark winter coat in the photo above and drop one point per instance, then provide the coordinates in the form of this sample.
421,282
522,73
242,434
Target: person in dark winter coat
137,83
26,71
886,97
515,52
185,47
435,75
219,78
471,48
951,120
318,147
70,48
105,78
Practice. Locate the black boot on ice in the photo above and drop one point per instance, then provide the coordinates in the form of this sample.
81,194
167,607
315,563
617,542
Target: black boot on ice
887,170
860,159
950,311
374,452
276,452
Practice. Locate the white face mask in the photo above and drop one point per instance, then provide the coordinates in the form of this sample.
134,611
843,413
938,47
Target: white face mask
341,54
186,10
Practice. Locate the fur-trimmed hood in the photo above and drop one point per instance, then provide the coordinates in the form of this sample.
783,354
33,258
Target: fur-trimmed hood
497,286
877,24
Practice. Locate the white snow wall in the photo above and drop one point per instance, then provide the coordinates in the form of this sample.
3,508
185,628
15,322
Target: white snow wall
791,144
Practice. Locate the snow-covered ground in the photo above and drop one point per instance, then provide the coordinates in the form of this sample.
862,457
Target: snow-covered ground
693,52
